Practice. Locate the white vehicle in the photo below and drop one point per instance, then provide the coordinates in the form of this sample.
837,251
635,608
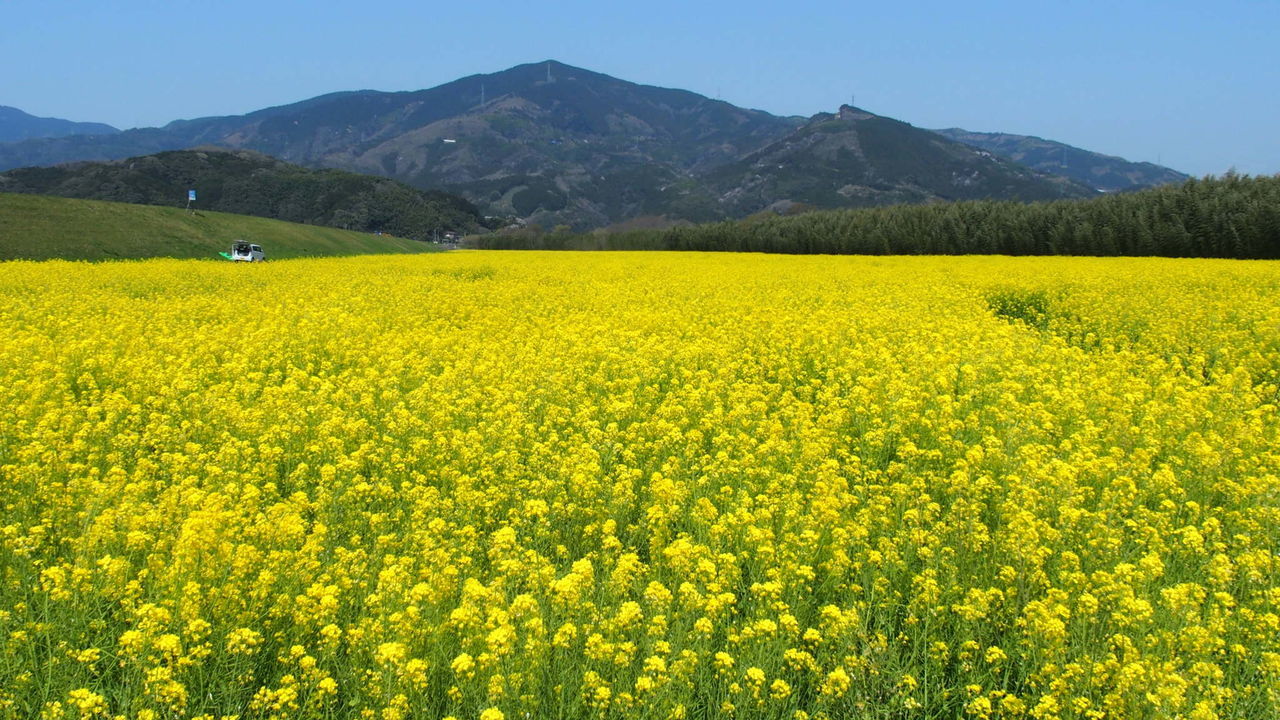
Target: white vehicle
247,252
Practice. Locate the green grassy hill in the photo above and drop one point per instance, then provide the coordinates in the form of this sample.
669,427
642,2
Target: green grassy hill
249,183
37,227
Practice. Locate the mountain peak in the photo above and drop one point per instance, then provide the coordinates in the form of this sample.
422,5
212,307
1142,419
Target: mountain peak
849,112
544,69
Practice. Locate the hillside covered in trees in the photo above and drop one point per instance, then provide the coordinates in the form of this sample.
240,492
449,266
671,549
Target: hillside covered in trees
1104,172
1229,217
249,183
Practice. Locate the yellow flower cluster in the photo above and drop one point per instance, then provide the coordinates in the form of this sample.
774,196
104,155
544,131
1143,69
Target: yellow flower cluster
527,485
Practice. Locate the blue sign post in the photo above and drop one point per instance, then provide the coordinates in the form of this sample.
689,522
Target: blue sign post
191,197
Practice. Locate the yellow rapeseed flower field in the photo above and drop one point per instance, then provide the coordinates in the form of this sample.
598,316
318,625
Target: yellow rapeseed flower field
520,485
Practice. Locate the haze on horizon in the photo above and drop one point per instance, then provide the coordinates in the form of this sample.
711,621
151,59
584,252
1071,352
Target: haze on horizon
1182,83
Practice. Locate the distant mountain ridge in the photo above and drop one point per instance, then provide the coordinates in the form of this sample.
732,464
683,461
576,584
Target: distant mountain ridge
1104,172
249,183
558,145
16,125
854,158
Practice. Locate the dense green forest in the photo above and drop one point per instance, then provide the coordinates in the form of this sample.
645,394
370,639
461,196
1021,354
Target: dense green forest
249,183
1233,216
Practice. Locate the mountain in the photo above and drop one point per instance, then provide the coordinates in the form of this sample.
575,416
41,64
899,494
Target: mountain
554,144
249,183
17,125
854,158
1104,172
545,141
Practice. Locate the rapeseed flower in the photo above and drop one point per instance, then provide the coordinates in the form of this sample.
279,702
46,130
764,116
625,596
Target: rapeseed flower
489,485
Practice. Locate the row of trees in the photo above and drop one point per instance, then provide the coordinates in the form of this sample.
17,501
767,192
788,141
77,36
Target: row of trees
1233,216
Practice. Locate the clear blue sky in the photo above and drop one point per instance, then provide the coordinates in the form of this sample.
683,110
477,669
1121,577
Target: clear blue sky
1193,84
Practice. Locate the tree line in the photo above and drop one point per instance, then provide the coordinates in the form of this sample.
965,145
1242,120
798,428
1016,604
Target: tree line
1233,216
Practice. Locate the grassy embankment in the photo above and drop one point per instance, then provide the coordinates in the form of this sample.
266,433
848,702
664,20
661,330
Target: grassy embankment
37,227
